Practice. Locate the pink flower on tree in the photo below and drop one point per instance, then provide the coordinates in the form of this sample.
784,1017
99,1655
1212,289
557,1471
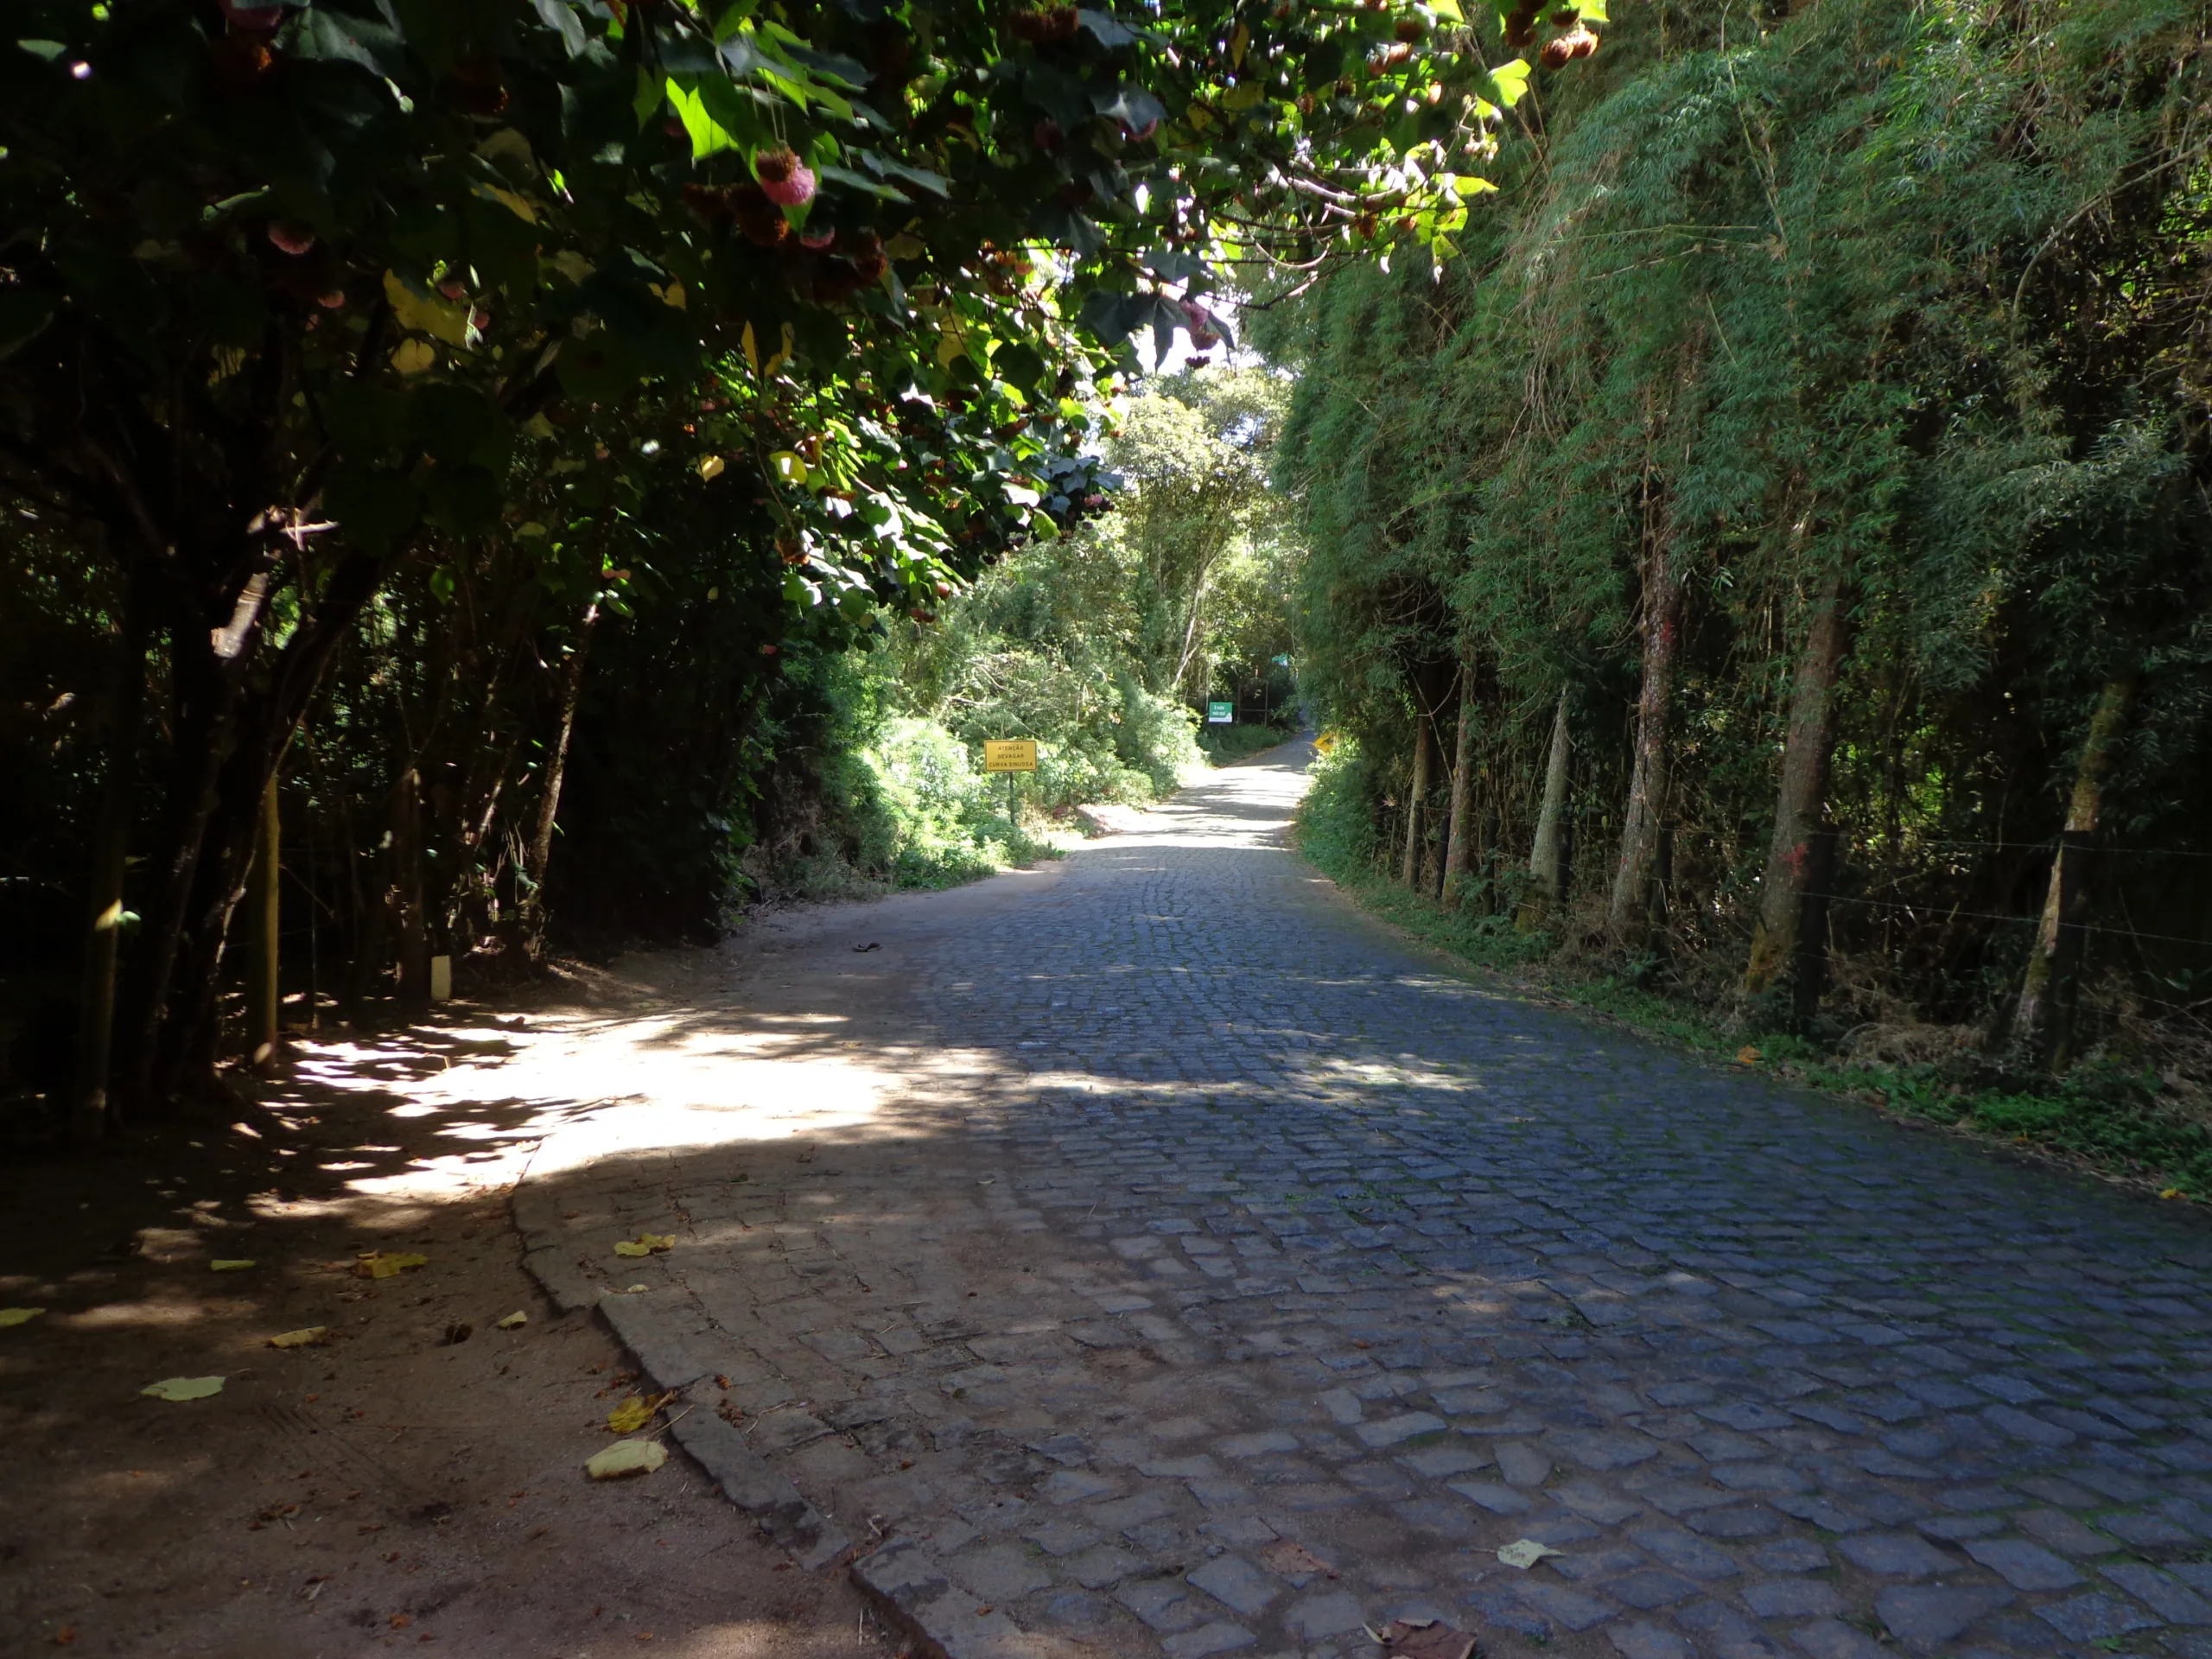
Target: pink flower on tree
785,180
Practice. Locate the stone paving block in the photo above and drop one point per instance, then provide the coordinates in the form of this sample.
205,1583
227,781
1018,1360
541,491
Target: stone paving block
2164,1594
1392,1430
1830,1638
998,1573
1332,1612
1074,1486
1793,1599
2148,1531
1923,1617
2095,1617
2023,1565
1895,1554
1236,1583
1498,1500
1220,1636
1104,1564
1163,1604
1576,1609
1521,1464
1650,1588
1723,1632
1640,1639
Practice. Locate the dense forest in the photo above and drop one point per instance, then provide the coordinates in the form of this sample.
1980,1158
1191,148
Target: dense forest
1772,567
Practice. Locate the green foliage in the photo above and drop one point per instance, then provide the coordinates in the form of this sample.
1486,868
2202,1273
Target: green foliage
1898,294
1336,819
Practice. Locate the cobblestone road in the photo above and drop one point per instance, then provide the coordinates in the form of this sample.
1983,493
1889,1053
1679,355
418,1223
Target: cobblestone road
1205,1269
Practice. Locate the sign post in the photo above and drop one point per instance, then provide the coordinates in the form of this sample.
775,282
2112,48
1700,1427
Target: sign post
1010,755
1220,713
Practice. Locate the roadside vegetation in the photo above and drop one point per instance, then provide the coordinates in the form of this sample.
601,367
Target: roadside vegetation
1763,582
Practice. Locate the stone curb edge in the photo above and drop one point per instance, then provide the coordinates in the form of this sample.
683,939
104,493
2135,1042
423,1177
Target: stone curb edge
661,1355
915,1594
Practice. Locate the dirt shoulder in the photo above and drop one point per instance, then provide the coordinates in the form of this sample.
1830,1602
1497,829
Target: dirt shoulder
395,1485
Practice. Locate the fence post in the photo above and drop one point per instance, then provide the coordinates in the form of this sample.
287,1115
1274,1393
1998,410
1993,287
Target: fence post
1809,973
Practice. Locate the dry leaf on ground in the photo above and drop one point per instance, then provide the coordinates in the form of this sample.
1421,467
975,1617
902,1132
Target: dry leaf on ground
645,1244
1293,1561
184,1388
1406,1638
637,1411
1747,1055
306,1336
514,1321
1526,1553
18,1316
625,1458
232,1264
379,1264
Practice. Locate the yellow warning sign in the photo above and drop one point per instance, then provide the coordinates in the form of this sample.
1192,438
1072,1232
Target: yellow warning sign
1010,754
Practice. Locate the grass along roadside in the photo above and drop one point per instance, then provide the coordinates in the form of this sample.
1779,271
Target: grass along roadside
2102,1117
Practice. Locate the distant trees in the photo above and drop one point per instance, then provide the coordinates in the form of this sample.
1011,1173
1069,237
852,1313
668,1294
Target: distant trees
1826,411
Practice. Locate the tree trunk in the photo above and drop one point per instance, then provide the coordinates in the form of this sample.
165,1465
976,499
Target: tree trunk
1806,753
549,805
264,1000
1460,836
1416,801
2066,900
1629,912
206,682
90,1114
218,808
1544,866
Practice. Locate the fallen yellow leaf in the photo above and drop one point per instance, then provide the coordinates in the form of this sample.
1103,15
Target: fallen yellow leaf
307,1337
184,1388
1747,1055
224,1264
18,1316
625,1458
514,1320
635,1412
2170,1193
645,1244
377,1264
1525,1552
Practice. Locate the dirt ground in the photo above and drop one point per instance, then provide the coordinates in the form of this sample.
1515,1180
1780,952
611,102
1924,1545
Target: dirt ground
414,1479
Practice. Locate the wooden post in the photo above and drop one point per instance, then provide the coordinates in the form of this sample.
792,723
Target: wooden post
410,913
265,1002
91,1114
1808,971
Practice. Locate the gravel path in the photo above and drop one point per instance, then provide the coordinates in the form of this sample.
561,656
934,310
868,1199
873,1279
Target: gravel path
1158,1256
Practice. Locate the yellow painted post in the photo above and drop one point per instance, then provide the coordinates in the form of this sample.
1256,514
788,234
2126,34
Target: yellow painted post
264,1004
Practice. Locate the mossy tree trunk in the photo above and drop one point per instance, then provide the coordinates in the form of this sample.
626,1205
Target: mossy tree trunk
2039,1026
1458,839
1629,914
1802,791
